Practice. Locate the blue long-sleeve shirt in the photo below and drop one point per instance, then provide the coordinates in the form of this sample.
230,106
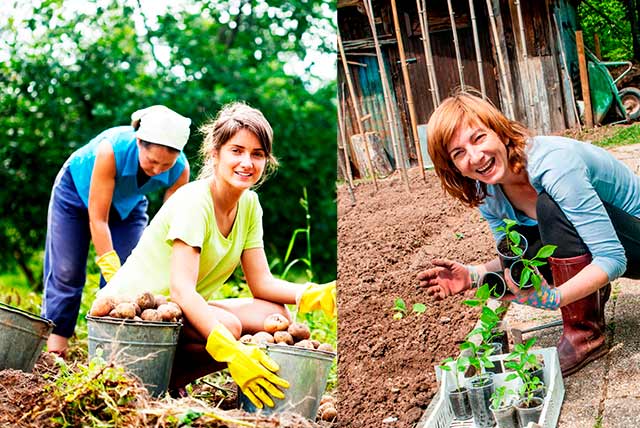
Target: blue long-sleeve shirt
579,177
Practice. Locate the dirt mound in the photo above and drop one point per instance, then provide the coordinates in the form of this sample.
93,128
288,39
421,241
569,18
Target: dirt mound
28,400
385,366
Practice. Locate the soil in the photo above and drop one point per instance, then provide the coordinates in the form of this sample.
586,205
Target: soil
21,393
386,365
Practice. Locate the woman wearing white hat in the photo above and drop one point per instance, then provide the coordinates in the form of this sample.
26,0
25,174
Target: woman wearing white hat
99,196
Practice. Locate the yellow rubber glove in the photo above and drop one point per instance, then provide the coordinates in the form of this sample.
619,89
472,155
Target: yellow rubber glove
109,263
318,296
249,366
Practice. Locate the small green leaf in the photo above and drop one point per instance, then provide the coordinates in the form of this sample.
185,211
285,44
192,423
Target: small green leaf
397,316
419,308
545,251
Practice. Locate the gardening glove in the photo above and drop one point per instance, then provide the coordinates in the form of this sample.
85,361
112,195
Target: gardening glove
109,263
318,296
249,366
545,298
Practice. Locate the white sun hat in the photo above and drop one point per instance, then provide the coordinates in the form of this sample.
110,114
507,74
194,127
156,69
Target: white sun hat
161,125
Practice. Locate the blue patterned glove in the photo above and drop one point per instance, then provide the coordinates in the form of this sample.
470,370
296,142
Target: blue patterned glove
545,298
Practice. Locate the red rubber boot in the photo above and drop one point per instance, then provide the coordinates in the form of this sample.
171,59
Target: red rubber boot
583,323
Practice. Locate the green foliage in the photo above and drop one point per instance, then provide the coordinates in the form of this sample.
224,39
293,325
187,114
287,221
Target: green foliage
460,365
524,362
512,236
62,84
529,271
490,319
609,20
400,308
623,136
501,397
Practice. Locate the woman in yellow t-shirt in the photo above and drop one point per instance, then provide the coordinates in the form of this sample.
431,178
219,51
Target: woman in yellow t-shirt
195,242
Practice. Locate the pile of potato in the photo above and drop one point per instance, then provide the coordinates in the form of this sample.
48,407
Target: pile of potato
145,307
278,330
327,410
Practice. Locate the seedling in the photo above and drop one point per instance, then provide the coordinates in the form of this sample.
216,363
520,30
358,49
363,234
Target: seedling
513,237
529,267
489,318
459,235
501,397
524,363
399,309
460,365
419,308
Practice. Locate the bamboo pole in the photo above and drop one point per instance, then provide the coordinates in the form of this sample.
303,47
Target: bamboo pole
356,110
476,43
456,45
596,46
342,131
407,88
584,81
527,78
503,71
387,94
426,45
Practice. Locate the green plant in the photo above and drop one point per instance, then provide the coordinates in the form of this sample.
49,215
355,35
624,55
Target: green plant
460,365
529,267
500,397
489,318
400,308
524,363
512,236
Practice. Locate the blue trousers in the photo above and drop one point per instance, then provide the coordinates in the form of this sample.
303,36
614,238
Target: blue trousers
67,248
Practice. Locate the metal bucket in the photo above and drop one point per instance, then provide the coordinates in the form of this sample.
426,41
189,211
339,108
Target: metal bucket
306,371
22,336
144,348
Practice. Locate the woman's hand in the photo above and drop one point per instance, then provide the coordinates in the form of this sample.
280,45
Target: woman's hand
318,297
545,298
446,278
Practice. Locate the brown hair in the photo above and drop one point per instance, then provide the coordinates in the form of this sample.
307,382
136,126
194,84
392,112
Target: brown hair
230,119
465,109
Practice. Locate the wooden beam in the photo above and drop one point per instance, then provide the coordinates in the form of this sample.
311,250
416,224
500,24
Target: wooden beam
407,88
584,81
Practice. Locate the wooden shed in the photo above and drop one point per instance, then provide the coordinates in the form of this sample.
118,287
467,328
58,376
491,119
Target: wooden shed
514,52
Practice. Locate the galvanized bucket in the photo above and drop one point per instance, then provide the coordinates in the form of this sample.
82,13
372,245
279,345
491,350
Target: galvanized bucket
306,371
22,336
145,348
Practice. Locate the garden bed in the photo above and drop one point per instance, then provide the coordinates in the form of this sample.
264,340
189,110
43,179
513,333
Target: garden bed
386,366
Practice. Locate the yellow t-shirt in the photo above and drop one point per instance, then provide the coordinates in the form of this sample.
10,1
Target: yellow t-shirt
188,215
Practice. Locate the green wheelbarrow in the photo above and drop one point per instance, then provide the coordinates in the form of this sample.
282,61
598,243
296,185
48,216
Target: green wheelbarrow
605,93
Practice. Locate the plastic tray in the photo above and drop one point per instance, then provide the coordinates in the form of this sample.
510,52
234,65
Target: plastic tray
440,415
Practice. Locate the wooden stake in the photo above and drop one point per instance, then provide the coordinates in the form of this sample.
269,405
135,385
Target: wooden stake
565,73
407,88
426,45
528,94
596,45
476,43
503,71
356,110
456,45
584,81
342,131
387,94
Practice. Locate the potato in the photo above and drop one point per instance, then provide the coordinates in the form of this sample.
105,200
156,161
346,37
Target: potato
151,315
137,308
137,318
262,337
324,406
160,300
299,331
316,343
247,338
305,344
146,300
329,414
125,310
326,347
283,337
102,306
176,309
327,399
275,322
112,314
167,313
